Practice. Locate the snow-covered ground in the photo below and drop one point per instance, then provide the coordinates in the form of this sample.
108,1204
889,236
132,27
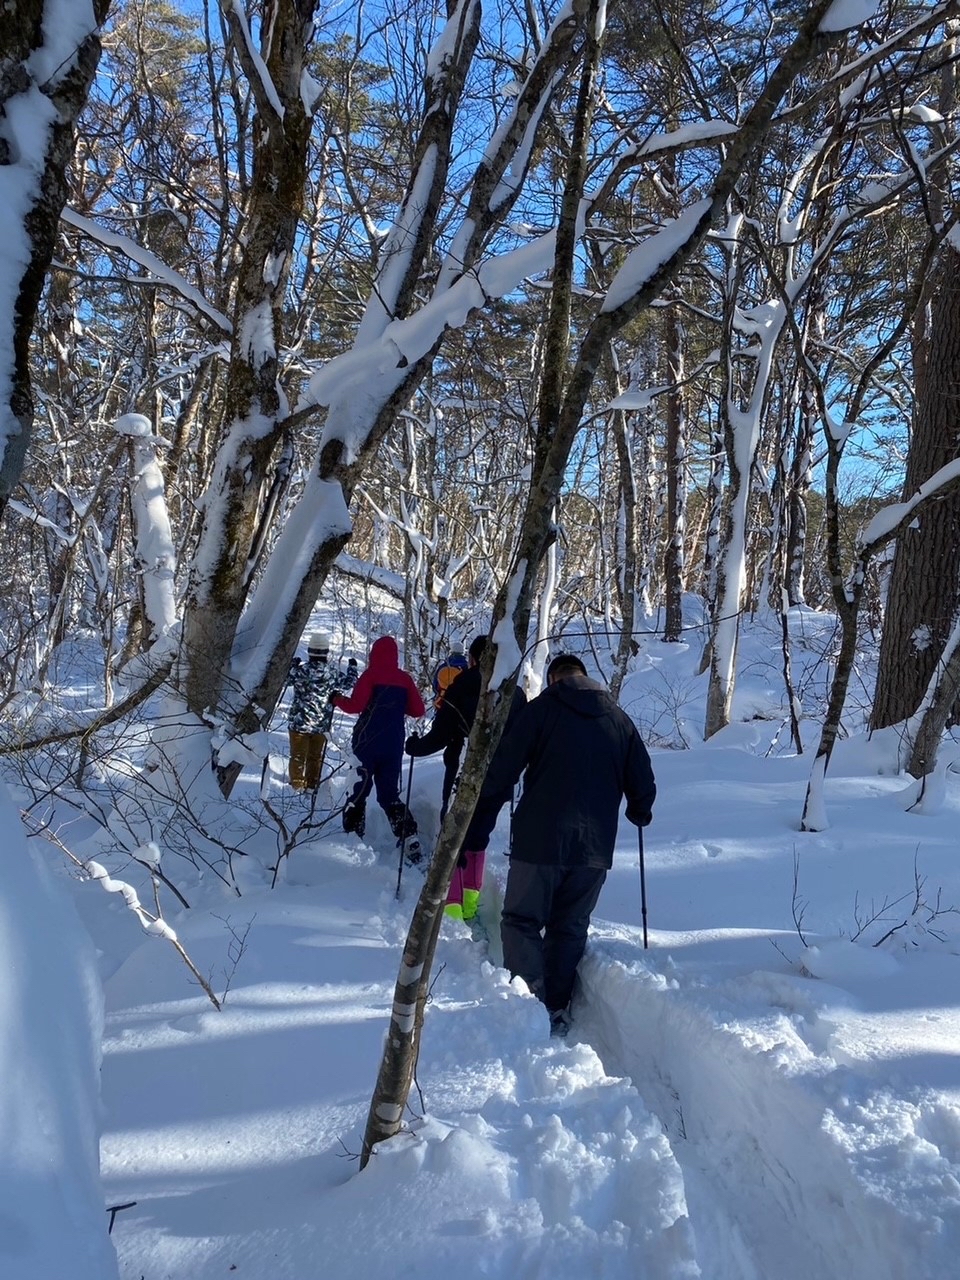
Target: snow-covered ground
734,1103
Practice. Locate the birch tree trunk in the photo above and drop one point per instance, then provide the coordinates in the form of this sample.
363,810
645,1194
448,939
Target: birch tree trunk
741,415
711,545
511,622
563,396
154,550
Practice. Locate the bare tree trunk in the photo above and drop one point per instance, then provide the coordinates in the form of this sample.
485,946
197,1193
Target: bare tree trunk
626,645
793,704
924,587
29,76
221,577
711,551
676,462
746,394
798,486
511,621
925,580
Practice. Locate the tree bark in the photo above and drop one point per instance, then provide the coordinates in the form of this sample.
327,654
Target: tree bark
626,645
925,579
676,460
220,579
924,588
26,79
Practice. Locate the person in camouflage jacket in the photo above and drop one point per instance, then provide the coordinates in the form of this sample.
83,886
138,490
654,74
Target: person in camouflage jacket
314,683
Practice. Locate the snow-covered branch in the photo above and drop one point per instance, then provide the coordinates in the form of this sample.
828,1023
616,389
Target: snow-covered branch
255,69
160,273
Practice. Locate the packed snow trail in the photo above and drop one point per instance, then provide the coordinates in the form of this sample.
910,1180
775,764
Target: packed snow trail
770,1195
232,1131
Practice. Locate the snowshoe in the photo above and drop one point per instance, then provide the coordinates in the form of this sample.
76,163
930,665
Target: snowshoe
354,819
559,1024
478,931
413,854
402,822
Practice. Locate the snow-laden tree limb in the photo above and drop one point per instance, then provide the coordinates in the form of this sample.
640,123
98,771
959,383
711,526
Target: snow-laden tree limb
160,274
367,387
254,66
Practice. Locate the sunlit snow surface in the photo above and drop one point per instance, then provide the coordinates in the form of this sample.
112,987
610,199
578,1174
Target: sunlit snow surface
736,1103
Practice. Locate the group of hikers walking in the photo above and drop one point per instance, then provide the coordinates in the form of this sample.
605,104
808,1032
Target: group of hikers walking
579,756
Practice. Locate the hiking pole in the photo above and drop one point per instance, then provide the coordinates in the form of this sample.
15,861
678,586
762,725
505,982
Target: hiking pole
403,838
643,888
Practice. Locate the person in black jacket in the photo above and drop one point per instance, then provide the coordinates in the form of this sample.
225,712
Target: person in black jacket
449,731
581,755
453,721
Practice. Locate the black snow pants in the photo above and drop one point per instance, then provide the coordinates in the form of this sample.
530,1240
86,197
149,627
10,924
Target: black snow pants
546,915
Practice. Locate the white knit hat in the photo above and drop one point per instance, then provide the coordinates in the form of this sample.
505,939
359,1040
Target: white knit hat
457,647
318,642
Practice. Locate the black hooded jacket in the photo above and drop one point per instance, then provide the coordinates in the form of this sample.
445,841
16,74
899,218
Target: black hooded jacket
582,754
456,714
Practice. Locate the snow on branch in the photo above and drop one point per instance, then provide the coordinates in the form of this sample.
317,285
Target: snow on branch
357,372
394,583
502,170
160,272
152,924
643,262
265,91
844,14
889,519
689,135
148,856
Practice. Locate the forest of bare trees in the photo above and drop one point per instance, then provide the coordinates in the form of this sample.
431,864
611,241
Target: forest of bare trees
590,314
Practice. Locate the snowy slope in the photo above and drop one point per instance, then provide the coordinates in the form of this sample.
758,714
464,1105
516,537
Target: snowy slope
757,1096
717,1112
53,1221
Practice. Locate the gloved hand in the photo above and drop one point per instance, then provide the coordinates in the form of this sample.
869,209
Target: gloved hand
412,745
639,819
462,860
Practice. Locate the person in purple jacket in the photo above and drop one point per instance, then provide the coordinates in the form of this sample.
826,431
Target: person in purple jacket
381,699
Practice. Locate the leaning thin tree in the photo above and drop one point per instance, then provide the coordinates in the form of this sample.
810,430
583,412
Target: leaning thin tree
644,276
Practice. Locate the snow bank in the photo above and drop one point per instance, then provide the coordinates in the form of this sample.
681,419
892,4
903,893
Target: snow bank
52,1220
